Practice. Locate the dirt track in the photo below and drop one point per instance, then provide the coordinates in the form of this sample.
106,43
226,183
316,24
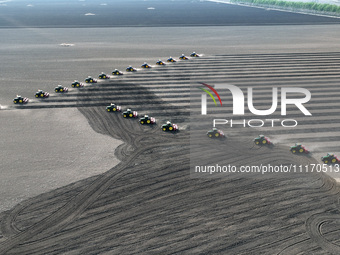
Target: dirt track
148,204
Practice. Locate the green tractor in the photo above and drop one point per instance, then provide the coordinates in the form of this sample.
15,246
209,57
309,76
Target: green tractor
147,120
89,79
113,108
160,63
330,159
145,65
215,133
262,140
130,114
131,69
103,76
168,126
77,84
41,94
60,89
171,59
116,72
194,54
298,148
183,57
20,100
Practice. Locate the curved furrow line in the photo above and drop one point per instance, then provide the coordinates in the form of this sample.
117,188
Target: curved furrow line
125,210
72,209
7,226
152,195
109,182
62,211
313,226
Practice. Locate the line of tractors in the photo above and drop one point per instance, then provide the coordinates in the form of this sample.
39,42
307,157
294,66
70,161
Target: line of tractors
146,120
168,126
261,140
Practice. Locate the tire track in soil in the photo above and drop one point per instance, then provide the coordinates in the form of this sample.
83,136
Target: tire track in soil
160,201
98,118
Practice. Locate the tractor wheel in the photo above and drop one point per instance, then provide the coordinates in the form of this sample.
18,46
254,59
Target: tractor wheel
301,150
294,151
72,86
217,135
61,90
56,90
36,95
257,142
164,129
334,160
108,110
264,141
114,109
15,101
210,135
142,122
148,121
124,115
91,80
326,161
20,101
41,95
171,128
130,115
78,85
